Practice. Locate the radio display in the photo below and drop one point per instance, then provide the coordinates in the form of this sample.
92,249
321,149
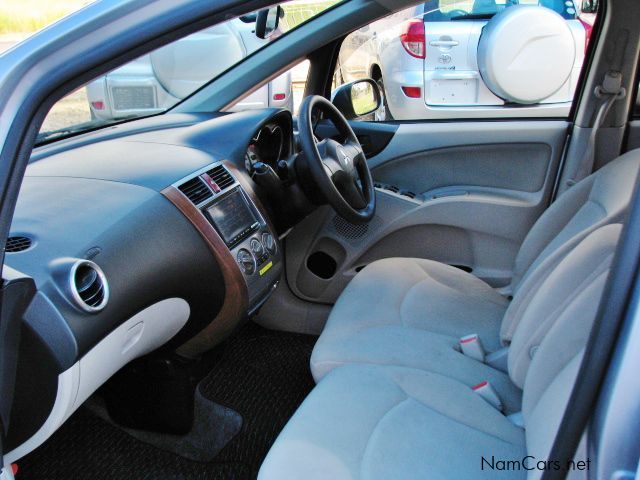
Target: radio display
232,217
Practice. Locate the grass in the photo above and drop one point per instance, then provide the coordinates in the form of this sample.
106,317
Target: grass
299,11
26,16
71,110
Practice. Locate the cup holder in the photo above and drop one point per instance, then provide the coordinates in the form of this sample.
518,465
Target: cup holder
322,265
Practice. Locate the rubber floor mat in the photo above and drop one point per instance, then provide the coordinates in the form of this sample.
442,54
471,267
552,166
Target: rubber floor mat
262,374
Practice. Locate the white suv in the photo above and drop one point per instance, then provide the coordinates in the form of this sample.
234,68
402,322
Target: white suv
428,60
155,82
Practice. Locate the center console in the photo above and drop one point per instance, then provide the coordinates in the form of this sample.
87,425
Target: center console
240,224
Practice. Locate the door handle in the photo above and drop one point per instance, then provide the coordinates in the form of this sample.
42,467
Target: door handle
444,43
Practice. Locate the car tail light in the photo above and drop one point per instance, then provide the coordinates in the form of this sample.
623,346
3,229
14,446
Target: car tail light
413,39
98,105
279,96
412,92
588,30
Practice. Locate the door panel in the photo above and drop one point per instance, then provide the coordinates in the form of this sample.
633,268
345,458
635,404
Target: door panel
477,187
493,165
16,293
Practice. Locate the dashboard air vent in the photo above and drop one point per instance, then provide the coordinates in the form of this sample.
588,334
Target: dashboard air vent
221,176
17,244
196,190
89,286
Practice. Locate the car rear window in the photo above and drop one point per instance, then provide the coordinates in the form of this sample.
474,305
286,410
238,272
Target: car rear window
447,10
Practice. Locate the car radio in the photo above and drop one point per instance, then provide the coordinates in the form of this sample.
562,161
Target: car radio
233,218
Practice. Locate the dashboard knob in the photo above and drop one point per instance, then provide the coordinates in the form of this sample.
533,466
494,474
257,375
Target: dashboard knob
269,243
256,247
247,261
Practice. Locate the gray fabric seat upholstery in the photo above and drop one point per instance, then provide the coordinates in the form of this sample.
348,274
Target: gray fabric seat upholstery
366,422
575,276
397,422
411,312
374,339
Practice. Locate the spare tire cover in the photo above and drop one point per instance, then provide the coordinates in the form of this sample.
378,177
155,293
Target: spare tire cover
186,64
526,53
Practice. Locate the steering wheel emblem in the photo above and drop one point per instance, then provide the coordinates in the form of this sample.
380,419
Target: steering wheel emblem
346,159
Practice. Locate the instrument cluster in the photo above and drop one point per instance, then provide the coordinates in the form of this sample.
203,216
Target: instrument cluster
268,146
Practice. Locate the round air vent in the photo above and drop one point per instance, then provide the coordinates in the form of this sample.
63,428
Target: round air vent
88,286
18,244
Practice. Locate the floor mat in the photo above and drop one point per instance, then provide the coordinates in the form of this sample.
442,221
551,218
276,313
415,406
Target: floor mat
213,427
262,374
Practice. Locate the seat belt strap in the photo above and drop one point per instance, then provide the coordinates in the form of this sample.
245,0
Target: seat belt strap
609,91
498,359
517,419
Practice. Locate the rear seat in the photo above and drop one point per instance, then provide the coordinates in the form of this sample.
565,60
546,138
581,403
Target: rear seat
413,312
397,422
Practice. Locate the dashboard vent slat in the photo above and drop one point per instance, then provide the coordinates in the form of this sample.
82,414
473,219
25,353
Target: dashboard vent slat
196,190
92,296
17,244
221,176
89,286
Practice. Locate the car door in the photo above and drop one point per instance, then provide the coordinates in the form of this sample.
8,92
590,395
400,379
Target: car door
463,189
16,294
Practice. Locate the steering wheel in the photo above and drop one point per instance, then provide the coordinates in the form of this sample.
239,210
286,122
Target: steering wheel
339,170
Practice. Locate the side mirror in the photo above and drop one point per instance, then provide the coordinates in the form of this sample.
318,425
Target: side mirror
267,21
358,98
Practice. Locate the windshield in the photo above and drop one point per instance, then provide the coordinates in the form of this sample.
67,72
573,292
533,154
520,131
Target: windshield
446,10
155,82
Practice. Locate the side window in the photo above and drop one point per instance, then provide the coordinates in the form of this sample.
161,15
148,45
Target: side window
447,59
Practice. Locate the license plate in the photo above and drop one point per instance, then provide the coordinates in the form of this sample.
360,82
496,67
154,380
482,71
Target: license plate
453,92
133,98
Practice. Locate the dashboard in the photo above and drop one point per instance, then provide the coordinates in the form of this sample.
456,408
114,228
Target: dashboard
148,235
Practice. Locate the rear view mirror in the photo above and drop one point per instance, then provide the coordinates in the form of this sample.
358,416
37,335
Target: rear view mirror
590,6
249,18
357,99
267,21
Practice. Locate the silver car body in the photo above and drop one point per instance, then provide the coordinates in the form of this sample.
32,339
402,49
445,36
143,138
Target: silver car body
448,77
157,81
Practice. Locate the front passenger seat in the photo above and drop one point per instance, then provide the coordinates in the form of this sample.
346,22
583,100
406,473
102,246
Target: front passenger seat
392,311
390,422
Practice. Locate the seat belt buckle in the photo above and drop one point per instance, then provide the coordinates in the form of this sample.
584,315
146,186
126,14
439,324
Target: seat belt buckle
9,472
472,347
486,391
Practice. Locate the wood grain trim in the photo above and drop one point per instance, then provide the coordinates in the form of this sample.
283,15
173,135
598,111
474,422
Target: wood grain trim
236,298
